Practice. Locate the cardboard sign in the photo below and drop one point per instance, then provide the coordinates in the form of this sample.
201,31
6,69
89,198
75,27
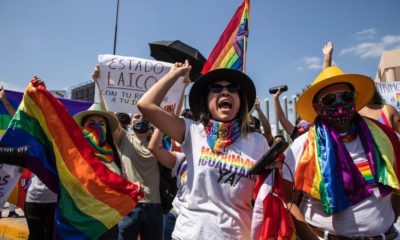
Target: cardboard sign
390,92
124,80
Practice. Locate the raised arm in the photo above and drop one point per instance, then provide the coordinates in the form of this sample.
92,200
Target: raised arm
165,157
10,109
286,124
327,51
95,76
149,103
264,121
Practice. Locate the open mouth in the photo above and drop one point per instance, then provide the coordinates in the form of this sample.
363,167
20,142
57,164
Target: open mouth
224,105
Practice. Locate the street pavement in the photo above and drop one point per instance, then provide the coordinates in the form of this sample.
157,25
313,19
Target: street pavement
13,228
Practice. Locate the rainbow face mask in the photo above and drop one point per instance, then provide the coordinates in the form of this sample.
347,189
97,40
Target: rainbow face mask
96,135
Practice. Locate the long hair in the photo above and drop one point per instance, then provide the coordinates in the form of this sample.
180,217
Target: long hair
109,140
377,99
202,113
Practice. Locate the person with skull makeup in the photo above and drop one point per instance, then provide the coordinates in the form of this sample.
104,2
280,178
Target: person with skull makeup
346,166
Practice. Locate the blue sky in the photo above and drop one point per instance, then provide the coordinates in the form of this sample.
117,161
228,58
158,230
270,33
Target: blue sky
60,40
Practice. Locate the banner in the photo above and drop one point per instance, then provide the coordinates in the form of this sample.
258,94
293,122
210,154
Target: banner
390,92
124,80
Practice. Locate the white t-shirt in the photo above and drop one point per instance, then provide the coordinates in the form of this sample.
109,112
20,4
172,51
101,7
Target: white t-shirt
219,190
372,216
38,192
180,172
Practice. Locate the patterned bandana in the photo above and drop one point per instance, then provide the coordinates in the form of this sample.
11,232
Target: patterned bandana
96,135
327,172
338,113
220,135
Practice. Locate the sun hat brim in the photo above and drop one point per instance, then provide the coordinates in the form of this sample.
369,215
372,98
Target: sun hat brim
364,89
112,120
200,86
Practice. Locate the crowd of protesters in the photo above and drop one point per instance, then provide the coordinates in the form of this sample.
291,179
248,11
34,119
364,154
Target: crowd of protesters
340,177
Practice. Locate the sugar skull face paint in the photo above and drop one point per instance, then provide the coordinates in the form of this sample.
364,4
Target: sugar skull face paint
336,104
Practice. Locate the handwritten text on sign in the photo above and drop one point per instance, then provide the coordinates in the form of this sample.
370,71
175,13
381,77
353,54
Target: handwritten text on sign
390,92
124,80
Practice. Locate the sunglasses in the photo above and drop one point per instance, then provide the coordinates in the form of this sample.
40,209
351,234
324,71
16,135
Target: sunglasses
330,98
218,88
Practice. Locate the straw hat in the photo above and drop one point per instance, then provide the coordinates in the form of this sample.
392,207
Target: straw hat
364,88
97,109
200,86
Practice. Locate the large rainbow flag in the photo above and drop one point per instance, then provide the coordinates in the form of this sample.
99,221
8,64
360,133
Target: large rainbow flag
230,48
18,193
91,198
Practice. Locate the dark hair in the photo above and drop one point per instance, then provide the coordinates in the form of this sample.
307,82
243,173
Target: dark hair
202,113
109,140
187,113
298,120
123,118
377,98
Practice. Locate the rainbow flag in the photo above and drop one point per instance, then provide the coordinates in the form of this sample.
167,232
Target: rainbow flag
73,107
91,198
17,195
326,171
14,98
230,48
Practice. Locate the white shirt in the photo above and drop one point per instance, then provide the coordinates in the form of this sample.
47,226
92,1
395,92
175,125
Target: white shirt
219,190
38,192
180,172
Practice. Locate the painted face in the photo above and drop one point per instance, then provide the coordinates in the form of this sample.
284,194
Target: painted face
95,119
336,104
223,100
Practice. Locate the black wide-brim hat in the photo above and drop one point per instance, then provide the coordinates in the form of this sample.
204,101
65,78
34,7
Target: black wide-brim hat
200,86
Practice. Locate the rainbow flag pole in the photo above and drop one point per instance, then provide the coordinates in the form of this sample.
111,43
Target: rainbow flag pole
244,54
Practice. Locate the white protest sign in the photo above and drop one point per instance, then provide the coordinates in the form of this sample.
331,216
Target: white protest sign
124,80
390,92
9,176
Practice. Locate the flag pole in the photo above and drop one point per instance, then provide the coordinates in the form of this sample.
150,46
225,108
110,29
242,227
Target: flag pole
244,53
116,28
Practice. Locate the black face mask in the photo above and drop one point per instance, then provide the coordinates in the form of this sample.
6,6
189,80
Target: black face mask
141,127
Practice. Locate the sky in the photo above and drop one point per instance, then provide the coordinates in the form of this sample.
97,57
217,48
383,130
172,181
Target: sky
59,41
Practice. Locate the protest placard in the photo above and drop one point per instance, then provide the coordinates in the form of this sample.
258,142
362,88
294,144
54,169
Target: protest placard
390,92
9,176
124,80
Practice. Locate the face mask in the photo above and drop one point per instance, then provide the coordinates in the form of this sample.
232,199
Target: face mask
95,132
141,127
96,136
337,113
